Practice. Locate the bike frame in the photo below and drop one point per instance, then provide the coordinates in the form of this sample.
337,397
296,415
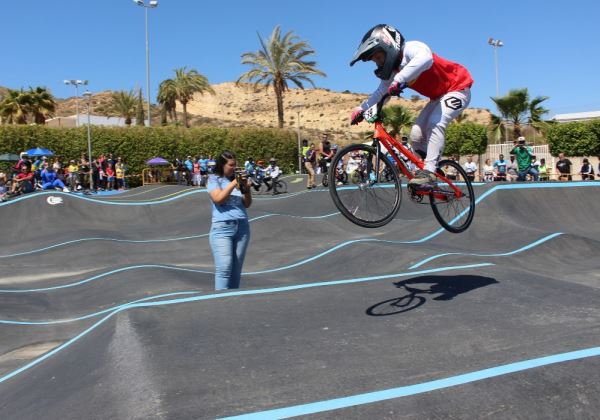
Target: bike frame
391,144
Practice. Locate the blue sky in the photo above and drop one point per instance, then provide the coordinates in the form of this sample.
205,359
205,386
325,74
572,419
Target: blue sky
550,47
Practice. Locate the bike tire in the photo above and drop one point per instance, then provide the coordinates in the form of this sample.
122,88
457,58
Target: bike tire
368,200
454,214
280,187
263,189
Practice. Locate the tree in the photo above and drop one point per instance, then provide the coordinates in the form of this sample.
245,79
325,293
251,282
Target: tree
122,104
516,108
182,88
16,106
396,118
139,110
280,60
42,104
465,139
167,97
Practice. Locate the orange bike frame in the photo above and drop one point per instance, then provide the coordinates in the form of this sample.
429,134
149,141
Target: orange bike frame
391,144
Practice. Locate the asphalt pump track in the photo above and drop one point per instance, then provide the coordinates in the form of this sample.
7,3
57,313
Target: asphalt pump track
107,309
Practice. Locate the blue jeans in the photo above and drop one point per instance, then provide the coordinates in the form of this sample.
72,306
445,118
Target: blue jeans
531,171
228,241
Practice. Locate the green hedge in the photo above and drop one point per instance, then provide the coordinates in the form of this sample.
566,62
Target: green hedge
575,138
138,144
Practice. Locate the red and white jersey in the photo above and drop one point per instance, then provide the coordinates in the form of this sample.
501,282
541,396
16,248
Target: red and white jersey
426,73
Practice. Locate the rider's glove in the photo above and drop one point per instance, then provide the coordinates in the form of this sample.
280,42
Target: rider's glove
357,116
396,88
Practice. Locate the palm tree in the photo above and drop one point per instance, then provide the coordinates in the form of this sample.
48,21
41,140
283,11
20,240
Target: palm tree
122,104
280,59
139,109
536,111
167,97
15,106
396,118
182,88
42,104
516,108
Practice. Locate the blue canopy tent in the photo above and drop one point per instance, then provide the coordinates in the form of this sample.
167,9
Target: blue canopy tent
39,151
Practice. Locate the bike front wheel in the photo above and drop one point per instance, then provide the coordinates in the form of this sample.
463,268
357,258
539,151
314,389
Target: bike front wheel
454,211
368,200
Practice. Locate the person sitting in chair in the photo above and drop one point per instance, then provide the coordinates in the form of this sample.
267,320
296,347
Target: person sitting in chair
50,179
23,182
272,172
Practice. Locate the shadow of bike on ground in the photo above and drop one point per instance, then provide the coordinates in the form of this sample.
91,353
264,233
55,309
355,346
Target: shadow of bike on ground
445,287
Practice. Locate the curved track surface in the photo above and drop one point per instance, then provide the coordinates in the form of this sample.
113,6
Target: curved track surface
107,309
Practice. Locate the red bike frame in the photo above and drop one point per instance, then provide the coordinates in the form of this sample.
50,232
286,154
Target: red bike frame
391,144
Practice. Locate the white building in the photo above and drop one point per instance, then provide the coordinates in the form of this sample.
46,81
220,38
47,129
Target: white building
70,121
577,116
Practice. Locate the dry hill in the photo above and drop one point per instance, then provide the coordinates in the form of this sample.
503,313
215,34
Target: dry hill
243,106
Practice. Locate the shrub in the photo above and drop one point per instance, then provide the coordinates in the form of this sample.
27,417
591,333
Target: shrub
575,138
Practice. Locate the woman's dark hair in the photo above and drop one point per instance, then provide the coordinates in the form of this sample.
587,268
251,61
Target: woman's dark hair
222,160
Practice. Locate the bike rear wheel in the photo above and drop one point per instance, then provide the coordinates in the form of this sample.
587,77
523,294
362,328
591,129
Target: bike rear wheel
280,187
368,200
455,214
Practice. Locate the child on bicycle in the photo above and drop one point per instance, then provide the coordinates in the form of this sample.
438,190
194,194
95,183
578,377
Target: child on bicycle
402,64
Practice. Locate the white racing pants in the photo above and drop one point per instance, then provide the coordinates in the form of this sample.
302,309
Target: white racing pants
428,135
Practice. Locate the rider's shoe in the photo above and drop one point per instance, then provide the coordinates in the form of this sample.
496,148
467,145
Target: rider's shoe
423,180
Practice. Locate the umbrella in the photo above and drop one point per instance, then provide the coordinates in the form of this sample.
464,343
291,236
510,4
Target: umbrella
158,161
9,157
39,151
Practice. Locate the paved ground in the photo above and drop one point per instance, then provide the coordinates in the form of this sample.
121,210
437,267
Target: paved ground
107,309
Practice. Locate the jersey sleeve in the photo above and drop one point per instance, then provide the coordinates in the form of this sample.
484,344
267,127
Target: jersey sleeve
417,58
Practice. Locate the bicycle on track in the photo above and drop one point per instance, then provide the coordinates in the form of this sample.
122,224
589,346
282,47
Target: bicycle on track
373,195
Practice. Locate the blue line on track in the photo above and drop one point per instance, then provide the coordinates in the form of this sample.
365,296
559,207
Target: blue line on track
504,254
404,391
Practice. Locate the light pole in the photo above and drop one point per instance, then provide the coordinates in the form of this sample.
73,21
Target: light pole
76,83
151,5
496,43
88,95
298,107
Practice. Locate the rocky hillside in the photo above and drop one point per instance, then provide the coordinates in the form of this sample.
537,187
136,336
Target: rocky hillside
242,106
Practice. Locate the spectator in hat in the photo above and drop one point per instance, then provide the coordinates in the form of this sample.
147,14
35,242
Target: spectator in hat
524,155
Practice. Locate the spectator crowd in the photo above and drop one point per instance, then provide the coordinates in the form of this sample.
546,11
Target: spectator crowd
104,173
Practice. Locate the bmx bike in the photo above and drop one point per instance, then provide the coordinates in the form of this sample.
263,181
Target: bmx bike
373,194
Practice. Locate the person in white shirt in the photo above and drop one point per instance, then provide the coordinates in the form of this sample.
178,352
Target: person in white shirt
470,168
272,172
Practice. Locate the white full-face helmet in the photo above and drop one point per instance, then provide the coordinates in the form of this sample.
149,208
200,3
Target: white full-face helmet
384,38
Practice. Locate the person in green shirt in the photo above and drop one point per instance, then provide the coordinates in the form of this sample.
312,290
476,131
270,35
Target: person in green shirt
524,156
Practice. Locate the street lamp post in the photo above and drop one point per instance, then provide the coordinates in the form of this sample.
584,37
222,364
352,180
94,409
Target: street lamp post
88,95
151,5
496,43
298,107
76,83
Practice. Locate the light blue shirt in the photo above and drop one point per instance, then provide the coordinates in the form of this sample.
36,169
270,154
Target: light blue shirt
233,209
